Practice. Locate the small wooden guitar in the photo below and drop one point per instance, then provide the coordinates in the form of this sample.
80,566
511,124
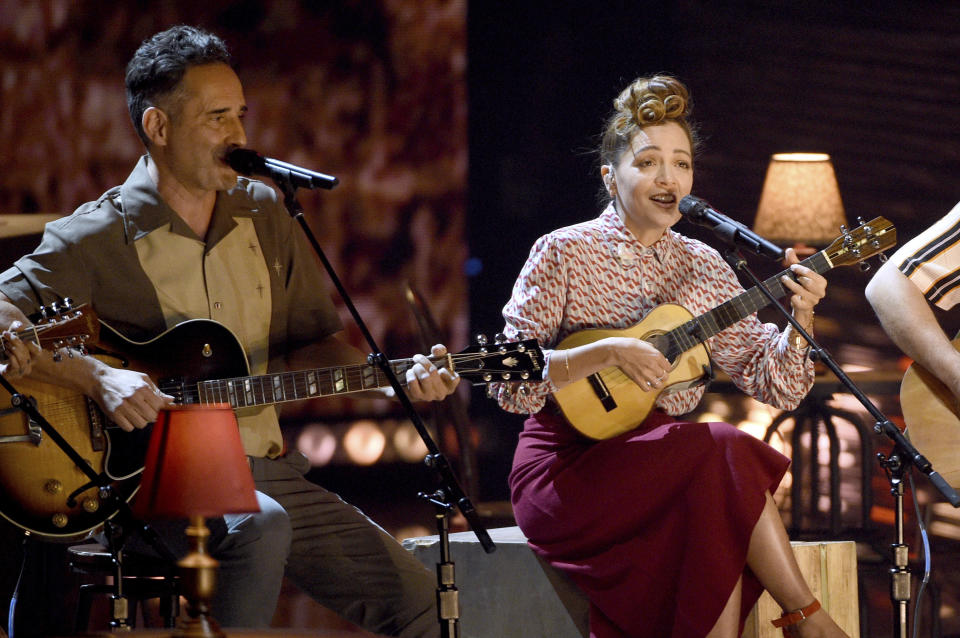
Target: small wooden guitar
197,361
609,403
932,414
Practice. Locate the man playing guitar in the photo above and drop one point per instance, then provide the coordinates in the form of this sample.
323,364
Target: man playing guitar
926,271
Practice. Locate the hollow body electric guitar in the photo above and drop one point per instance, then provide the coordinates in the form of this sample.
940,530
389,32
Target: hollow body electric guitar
932,414
608,403
198,361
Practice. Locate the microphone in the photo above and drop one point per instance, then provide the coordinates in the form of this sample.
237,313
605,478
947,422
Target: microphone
248,162
699,212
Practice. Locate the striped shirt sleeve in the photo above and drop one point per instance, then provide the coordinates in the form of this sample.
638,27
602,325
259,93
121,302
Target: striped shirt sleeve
931,261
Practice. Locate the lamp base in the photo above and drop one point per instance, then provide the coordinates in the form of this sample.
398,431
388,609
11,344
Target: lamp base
198,576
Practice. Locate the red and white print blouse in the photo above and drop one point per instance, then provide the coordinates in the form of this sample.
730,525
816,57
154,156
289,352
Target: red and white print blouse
597,275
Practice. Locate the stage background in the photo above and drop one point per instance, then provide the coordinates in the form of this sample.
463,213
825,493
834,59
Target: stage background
462,133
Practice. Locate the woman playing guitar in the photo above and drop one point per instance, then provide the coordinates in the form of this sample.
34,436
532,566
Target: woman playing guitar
669,528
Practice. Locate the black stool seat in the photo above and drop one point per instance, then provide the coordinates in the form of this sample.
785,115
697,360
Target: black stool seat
144,578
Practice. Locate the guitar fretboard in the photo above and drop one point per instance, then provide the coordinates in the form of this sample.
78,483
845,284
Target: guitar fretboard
699,329
268,389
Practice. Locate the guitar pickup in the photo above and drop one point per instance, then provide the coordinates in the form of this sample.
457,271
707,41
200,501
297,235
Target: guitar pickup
600,389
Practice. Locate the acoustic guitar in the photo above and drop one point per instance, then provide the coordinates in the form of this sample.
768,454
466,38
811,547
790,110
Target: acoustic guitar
197,362
608,403
932,415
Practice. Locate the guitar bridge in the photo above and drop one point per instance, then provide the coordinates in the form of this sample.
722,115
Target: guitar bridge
95,416
602,392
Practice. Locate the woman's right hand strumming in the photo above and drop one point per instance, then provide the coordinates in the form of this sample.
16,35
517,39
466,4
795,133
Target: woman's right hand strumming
638,359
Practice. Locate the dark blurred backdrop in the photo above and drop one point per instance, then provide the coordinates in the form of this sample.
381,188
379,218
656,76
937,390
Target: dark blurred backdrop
463,131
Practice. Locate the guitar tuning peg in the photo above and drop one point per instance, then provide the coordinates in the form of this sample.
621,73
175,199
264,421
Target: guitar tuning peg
481,339
864,266
43,312
57,356
67,303
524,389
883,258
499,338
520,335
491,393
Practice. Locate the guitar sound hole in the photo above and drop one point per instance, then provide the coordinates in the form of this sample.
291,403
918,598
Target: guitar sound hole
661,342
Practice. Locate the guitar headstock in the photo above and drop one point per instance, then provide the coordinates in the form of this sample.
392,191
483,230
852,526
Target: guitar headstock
60,325
500,362
861,243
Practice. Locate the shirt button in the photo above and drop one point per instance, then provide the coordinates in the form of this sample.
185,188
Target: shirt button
217,305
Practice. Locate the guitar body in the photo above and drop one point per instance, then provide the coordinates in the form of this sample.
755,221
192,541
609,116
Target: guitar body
932,415
601,417
189,352
38,477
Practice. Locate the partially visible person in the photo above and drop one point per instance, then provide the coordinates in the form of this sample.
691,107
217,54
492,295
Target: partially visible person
670,529
923,272
183,238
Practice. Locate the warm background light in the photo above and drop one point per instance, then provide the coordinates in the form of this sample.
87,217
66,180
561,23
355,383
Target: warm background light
364,442
318,443
800,202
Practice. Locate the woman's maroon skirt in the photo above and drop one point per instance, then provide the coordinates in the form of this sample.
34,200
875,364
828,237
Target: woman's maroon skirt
653,525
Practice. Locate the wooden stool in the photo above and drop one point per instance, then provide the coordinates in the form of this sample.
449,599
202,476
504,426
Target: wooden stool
830,569
144,578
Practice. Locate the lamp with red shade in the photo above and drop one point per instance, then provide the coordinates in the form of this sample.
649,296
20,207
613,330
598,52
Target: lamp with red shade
196,468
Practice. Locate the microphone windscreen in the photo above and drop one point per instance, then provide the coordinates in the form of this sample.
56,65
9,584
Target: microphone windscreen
691,206
245,161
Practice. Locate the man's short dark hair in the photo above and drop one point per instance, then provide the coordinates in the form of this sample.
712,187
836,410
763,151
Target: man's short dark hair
158,66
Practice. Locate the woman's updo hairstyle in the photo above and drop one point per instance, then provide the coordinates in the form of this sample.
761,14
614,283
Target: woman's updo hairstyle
646,102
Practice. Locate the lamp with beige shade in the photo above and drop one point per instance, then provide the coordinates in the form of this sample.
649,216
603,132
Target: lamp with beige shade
800,204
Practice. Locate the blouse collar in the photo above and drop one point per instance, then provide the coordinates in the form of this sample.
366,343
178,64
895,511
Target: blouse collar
624,245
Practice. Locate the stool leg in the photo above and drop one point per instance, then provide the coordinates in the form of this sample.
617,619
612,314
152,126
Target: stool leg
170,603
85,603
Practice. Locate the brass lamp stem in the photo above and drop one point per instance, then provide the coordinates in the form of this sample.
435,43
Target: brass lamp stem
198,575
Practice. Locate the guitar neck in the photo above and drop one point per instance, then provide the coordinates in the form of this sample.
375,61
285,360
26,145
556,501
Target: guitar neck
699,329
282,387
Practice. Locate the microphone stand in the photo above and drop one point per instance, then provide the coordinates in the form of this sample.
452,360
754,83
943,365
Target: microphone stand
450,487
895,465
126,522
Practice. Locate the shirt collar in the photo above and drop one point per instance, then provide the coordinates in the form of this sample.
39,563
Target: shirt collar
144,211
623,244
